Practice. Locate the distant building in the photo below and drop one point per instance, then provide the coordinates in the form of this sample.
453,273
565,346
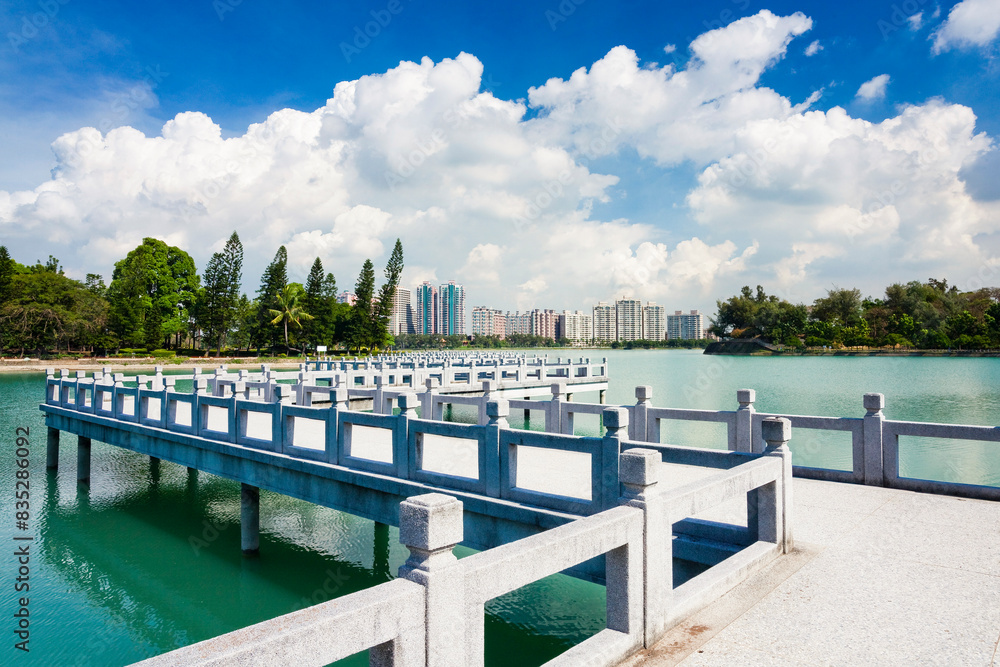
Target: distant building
426,311
686,326
576,326
544,323
654,322
401,319
604,322
488,322
451,317
628,318
518,323
347,297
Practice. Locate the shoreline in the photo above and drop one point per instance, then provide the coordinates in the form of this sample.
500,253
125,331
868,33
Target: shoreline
136,364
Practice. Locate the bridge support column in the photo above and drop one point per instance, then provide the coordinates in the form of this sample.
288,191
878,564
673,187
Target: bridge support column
249,519
83,459
380,555
601,394
52,449
154,469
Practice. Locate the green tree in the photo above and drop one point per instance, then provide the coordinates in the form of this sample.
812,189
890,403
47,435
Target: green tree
321,303
218,300
839,306
272,282
290,308
387,296
359,329
152,276
7,272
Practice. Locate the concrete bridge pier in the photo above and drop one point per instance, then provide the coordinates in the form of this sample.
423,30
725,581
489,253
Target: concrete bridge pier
380,556
249,519
154,469
83,459
52,449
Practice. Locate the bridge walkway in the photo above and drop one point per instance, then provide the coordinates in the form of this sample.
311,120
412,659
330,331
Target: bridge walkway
879,577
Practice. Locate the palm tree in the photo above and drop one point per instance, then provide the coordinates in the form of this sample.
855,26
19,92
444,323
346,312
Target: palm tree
289,308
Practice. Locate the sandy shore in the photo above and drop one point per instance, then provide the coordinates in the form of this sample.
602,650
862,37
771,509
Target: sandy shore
141,364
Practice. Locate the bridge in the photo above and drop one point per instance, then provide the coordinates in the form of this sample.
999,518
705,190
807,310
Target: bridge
607,514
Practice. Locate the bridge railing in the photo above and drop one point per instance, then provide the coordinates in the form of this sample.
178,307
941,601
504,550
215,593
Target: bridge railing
434,613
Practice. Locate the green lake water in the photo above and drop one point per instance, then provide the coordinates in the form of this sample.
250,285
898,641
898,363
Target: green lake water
148,559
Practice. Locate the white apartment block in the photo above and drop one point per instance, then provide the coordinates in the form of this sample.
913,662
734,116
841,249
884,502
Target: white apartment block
576,326
654,322
686,326
604,322
401,319
628,317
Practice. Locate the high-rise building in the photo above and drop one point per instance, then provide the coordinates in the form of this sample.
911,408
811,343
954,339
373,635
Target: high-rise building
604,322
401,319
426,320
576,326
688,325
451,317
347,297
654,322
544,323
488,322
628,317
518,323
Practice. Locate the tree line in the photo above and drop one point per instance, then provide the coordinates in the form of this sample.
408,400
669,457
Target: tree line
157,300
929,315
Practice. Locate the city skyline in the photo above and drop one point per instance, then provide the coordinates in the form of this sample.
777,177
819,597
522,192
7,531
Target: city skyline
652,149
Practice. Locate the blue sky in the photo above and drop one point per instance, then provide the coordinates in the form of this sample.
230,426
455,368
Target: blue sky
755,158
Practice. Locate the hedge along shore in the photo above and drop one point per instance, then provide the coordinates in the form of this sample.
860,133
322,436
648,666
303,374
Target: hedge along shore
143,363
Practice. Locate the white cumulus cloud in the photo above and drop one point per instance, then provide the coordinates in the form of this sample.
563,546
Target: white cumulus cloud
873,89
970,23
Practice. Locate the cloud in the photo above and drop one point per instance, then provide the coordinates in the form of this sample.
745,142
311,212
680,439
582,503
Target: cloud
916,21
813,48
667,115
873,89
970,23
511,203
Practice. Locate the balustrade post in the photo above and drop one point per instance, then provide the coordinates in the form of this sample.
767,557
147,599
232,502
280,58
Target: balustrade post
553,411
639,427
873,423
430,526
401,441
483,417
639,472
744,420
774,501
497,411
614,420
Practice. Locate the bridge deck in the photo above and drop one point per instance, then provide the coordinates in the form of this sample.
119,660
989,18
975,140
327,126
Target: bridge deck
880,577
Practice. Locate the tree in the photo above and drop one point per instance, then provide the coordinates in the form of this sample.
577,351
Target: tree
839,306
359,329
272,282
320,302
219,298
387,296
290,308
152,276
7,271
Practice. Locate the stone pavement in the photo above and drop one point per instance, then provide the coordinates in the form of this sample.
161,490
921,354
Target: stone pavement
878,577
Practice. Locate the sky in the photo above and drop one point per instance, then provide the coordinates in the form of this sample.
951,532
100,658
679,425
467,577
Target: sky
547,154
